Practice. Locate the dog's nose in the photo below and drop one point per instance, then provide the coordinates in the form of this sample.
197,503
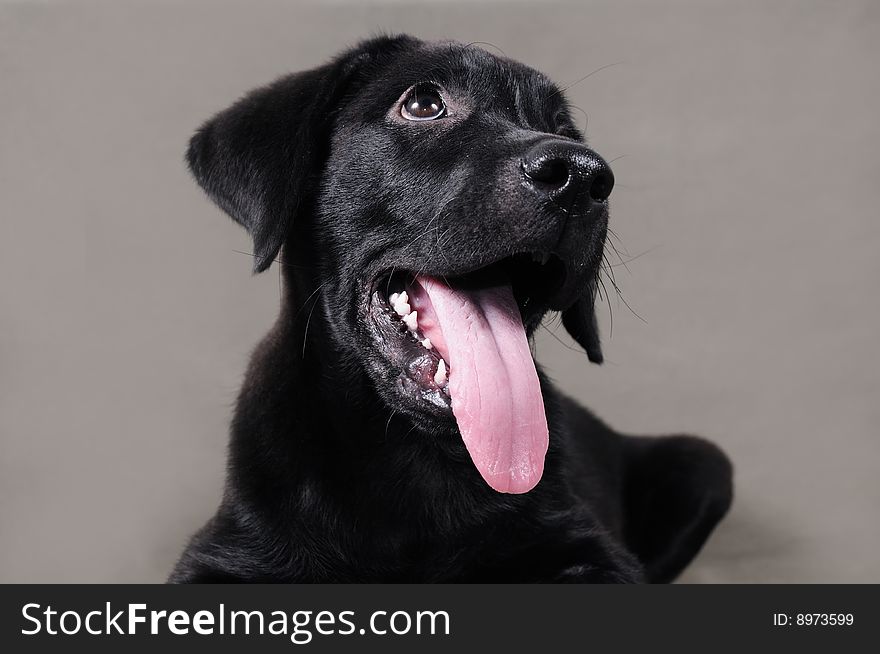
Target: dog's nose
565,171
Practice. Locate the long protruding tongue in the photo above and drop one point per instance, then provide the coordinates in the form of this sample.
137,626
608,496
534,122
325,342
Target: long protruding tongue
496,396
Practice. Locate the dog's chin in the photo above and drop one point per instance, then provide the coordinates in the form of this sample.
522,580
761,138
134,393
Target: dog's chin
411,370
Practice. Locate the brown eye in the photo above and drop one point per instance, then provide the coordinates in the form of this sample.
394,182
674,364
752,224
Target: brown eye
423,103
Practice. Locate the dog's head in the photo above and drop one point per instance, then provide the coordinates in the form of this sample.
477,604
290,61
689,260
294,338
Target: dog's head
441,201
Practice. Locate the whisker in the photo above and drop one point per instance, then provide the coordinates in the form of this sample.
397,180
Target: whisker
609,275
388,281
561,342
608,302
504,54
586,77
278,260
586,117
388,424
608,269
620,257
633,258
308,321
424,233
626,304
614,234
309,298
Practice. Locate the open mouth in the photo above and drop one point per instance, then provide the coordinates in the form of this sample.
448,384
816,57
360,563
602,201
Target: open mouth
459,344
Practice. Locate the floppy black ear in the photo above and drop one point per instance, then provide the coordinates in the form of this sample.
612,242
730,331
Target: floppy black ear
260,159
580,321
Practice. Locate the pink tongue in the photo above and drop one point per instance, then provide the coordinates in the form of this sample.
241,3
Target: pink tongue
496,397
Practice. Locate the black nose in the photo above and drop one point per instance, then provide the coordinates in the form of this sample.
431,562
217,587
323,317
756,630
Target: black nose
565,171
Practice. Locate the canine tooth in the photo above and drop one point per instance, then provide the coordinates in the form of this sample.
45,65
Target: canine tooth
426,343
412,320
393,298
440,377
402,309
403,297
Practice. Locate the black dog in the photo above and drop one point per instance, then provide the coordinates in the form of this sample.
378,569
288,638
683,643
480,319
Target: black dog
433,203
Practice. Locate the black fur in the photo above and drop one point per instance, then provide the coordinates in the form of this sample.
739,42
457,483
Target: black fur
335,472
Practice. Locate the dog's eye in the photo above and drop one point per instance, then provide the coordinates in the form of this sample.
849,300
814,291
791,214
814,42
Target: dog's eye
423,102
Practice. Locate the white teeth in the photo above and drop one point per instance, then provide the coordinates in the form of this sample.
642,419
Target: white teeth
400,303
440,377
412,320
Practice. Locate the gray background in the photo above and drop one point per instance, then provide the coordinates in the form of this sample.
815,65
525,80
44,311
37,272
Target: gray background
746,145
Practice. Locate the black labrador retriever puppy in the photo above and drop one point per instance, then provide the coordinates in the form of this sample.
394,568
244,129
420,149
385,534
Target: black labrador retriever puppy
431,203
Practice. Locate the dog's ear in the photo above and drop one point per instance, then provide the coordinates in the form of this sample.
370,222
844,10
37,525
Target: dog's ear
260,159
580,321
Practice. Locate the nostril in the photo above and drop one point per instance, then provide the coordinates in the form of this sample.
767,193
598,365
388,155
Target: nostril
601,185
549,171
568,172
